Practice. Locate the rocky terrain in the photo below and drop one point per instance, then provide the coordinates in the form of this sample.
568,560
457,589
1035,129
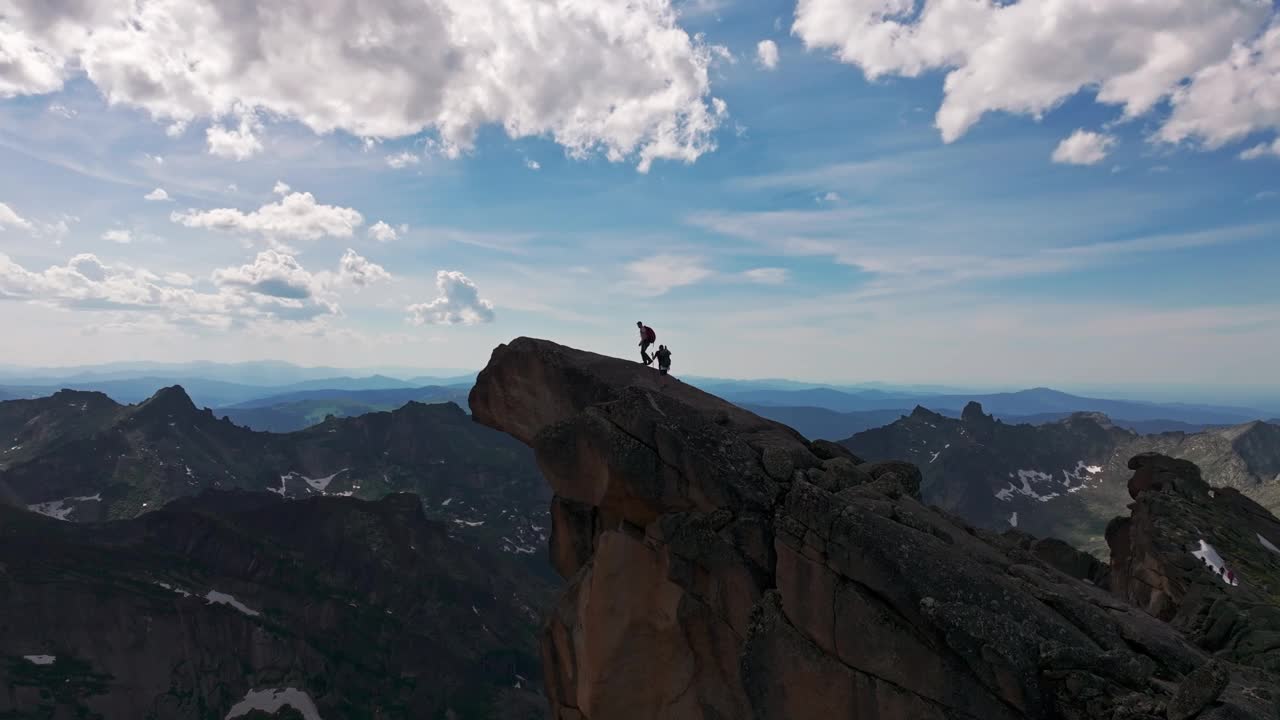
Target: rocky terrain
81,457
718,565
1063,479
229,601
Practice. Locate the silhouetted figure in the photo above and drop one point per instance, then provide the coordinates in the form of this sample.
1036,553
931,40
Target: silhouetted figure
647,338
664,359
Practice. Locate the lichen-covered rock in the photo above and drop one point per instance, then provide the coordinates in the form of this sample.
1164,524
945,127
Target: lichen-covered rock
737,571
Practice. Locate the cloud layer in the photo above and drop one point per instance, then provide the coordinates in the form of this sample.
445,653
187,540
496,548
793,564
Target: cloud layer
623,79
1215,62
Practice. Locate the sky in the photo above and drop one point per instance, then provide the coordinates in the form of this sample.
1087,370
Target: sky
1070,193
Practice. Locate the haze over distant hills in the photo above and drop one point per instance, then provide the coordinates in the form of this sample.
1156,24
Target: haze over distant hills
829,411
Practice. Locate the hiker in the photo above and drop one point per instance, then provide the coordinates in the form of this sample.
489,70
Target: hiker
664,359
647,338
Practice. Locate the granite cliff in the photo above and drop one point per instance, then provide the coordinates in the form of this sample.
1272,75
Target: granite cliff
718,565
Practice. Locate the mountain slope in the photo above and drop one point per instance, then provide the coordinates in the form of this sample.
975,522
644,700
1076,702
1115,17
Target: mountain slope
144,456
1064,479
362,609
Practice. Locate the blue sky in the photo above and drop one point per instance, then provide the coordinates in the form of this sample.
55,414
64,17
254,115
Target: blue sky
832,233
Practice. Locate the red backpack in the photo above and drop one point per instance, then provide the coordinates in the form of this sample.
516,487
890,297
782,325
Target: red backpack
649,335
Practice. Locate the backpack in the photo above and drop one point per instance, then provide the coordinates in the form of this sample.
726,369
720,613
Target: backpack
649,335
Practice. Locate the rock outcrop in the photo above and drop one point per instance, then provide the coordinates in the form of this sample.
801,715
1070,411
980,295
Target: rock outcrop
720,566
1207,560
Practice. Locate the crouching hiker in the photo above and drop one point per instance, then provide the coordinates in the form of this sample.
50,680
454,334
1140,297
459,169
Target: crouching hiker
664,359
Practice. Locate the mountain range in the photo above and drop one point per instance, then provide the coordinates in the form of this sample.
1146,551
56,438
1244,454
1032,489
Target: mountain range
160,561
1062,479
301,409
82,457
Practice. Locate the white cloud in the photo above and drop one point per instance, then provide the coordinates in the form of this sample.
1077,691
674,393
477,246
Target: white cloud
459,303
236,144
533,164
403,159
158,194
383,232
123,237
296,215
767,275
271,273
830,197
1083,147
281,188
1208,59
358,271
1262,150
767,54
61,111
87,283
638,88
9,217
658,274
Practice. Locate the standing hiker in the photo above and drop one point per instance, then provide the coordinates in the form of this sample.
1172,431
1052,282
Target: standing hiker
647,338
664,359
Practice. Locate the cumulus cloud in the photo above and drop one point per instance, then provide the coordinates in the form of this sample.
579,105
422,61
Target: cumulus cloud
383,232
638,87
659,274
533,164
767,54
10,218
272,273
403,159
830,197
295,216
1083,147
240,143
767,275
459,303
1216,63
123,237
358,271
158,194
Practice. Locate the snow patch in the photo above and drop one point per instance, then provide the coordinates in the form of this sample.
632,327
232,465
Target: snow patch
469,523
218,597
1209,556
1013,519
40,659
317,484
1027,477
58,510
935,457
272,700
1267,544
446,502
171,588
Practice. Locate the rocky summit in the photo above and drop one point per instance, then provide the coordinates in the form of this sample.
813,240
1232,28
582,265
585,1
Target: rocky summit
718,566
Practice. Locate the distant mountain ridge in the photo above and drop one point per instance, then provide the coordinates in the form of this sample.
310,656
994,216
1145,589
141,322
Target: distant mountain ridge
1036,401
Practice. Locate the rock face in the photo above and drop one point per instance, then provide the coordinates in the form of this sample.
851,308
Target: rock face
720,566
366,609
1205,559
